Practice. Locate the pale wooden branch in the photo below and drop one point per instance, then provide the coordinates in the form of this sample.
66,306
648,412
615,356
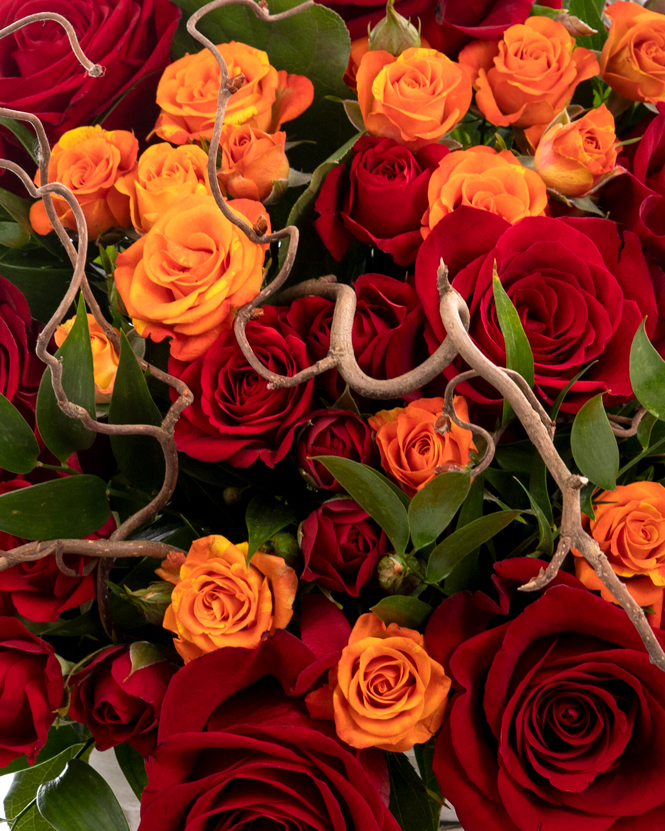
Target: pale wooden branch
96,549
632,423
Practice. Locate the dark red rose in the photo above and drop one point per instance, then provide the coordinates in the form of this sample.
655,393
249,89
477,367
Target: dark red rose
40,74
580,289
558,716
238,753
379,198
118,704
20,369
31,689
235,417
333,433
342,545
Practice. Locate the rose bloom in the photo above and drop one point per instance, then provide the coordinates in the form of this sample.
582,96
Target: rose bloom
31,689
410,446
630,529
572,158
557,710
89,161
249,756
219,600
188,90
120,705
379,198
235,417
129,38
20,369
252,162
633,58
528,76
580,289
415,98
105,357
162,178
486,179
342,546
188,274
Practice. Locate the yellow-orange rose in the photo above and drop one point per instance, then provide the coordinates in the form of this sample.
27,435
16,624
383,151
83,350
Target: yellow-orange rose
188,90
188,274
387,692
528,76
411,448
105,357
486,179
163,177
574,157
220,601
89,161
252,161
359,47
633,58
415,98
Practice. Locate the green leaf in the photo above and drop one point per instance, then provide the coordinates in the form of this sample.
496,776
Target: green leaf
644,429
74,506
590,12
546,540
59,738
379,500
543,11
554,412
404,611
79,799
23,134
399,493
140,458
647,374
465,573
17,208
265,516
42,279
594,445
132,765
424,754
61,434
448,554
13,235
18,446
518,349
409,802
433,507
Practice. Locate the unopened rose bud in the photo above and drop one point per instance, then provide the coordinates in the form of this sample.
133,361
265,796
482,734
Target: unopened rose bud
232,495
252,162
574,26
286,546
152,601
394,34
395,576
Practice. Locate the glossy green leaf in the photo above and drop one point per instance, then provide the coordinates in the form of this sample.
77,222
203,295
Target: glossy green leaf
17,208
647,374
404,611
379,500
594,445
265,516
409,801
448,554
18,446
590,11
13,235
24,134
644,429
140,458
60,737
546,538
432,508
61,434
132,765
399,493
79,799
74,506
518,349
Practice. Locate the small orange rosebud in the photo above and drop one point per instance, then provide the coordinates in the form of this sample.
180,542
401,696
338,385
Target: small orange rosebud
105,357
252,162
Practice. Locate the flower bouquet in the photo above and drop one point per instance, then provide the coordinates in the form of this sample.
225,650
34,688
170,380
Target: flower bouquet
332,414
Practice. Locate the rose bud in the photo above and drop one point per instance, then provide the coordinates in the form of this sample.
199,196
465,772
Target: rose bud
395,576
152,601
105,357
253,162
394,33
572,158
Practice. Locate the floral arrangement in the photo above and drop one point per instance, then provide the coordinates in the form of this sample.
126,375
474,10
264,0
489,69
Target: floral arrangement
326,336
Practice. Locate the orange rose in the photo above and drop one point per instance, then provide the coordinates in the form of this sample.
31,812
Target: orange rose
358,48
188,274
188,89
89,161
415,98
220,601
163,177
529,75
105,357
630,530
574,157
633,58
411,448
485,179
252,161
386,690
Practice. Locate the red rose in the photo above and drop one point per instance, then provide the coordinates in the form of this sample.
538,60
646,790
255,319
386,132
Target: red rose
20,369
581,292
342,545
558,713
379,199
118,704
239,753
130,38
235,417
31,690
333,433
